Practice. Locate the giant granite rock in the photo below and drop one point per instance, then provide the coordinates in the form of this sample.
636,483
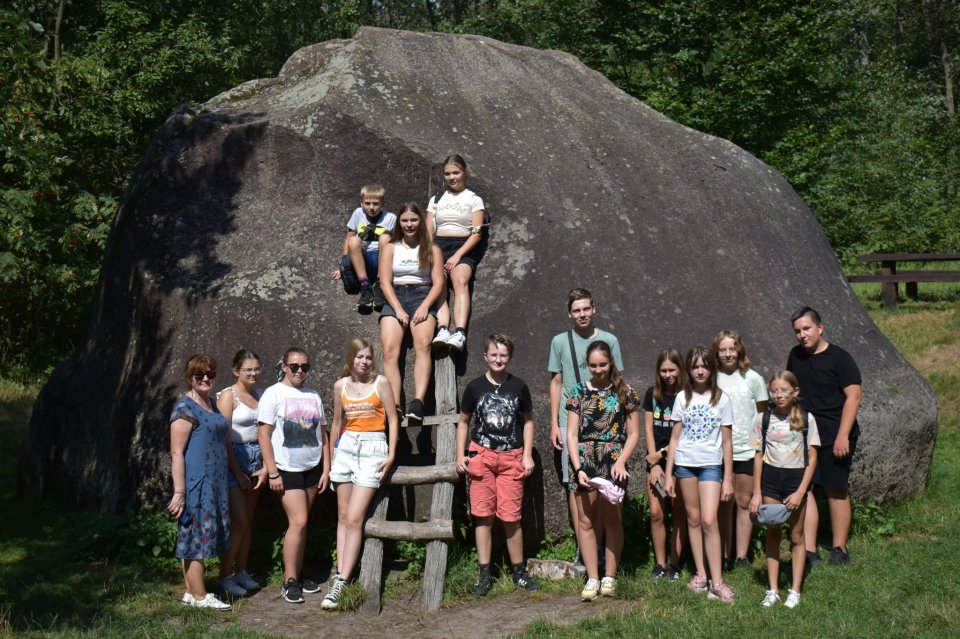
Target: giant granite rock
235,218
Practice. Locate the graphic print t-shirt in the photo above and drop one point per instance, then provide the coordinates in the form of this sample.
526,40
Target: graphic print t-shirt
662,410
497,412
700,437
297,416
784,445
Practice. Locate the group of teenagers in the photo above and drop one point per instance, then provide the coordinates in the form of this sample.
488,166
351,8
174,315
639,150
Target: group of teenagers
723,448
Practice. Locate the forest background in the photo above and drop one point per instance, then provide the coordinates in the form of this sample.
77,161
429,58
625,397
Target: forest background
852,100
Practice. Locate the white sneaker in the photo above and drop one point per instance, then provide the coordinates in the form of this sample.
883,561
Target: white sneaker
772,598
188,600
332,600
246,581
232,588
457,340
793,599
608,586
591,590
211,601
442,336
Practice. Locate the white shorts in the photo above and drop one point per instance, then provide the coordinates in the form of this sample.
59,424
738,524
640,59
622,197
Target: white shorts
356,457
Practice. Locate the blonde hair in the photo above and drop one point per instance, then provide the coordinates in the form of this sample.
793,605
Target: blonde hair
354,347
372,190
743,362
796,413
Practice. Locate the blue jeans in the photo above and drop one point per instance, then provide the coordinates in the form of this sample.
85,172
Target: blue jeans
700,473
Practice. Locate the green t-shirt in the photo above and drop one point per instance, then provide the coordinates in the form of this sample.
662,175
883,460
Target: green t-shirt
562,362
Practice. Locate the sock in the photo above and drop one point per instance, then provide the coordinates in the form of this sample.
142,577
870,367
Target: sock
461,330
364,282
518,569
443,328
484,569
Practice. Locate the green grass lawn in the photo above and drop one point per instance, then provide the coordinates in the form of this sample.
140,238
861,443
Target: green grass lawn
82,574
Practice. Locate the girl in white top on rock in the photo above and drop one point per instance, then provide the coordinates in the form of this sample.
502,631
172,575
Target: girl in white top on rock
748,398
411,278
238,404
456,220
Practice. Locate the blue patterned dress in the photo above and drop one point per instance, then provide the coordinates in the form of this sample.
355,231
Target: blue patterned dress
204,526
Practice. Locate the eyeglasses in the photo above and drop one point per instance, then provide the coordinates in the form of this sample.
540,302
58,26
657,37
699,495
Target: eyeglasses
295,368
781,393
254,371
209,375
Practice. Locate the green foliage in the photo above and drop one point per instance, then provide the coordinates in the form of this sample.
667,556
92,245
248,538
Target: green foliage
564,548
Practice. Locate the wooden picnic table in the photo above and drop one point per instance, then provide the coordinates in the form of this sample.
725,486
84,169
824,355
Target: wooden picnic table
889,277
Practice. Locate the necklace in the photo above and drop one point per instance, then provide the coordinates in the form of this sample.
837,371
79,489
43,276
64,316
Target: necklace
496,386
195,396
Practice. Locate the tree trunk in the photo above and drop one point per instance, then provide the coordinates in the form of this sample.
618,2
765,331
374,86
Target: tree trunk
57,62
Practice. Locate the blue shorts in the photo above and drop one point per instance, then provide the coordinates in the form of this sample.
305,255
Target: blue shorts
700,473
248,458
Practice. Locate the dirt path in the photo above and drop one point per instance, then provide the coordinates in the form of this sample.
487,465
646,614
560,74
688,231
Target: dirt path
401,617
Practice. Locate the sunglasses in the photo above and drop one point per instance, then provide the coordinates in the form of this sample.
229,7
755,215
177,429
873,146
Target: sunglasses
295,368
209,375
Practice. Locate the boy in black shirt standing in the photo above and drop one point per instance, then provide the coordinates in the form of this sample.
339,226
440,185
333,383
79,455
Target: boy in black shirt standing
830,388
500,457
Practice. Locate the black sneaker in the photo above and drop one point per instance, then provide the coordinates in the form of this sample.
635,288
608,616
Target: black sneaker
365,301
308,585
483,585
813,559
727,565
525,581
415,412
658,571
378,299
291,591
839,558
673,573
742,562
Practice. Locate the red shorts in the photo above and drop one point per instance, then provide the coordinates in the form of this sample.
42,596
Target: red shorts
496,482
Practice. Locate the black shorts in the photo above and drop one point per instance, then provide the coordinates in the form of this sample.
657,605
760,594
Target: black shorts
450,245
300,479
410,296
744,467
831,472
780,483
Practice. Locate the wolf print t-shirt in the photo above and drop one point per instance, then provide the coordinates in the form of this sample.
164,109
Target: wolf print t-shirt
701,443
297,416
497,411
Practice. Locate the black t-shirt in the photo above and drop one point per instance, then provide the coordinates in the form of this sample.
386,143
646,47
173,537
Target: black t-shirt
822,378
662,426
497,411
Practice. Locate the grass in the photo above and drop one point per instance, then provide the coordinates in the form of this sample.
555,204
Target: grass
80,574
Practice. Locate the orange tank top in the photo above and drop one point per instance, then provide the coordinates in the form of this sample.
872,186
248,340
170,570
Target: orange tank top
364,414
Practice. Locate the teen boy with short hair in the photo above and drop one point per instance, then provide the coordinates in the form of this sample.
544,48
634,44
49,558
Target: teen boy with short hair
367,224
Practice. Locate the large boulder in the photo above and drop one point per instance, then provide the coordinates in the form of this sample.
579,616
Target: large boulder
236,215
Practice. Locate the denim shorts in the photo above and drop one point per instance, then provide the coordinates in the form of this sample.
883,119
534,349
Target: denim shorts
248,458
410,298
700,473
356,458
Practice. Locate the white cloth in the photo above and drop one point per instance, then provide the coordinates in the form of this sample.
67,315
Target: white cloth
243,423
297,416
406,265
701,443
784,445
745,390
452,212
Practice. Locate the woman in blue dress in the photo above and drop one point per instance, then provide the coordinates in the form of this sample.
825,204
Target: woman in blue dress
198,455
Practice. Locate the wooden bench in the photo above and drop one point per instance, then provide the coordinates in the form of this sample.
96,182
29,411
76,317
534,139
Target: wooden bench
889,277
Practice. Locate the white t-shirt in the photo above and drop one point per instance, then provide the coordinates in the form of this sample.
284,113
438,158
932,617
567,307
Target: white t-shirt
452,213
745,390
297,416
406,265
701,443
784,445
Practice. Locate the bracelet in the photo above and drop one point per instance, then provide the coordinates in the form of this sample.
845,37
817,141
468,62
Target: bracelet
577,471
277,476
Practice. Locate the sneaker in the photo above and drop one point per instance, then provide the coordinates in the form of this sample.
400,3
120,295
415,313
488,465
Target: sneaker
211,601
698,583
742,562
365,301
378,299
415,412
232,588
483,584
457,340
525,581
772,598
727,565
188,600
246,581
723,592
608,586
442,336
673,573
290,590
793,599
813,559
308,585
591,590
839,558
332,600
658,571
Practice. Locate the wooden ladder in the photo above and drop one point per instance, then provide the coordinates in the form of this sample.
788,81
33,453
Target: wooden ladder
438,530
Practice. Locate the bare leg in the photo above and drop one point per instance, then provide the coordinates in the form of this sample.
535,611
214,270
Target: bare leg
460,280
798,552
691,499
772,550
483,532
709,500
725,528
658,526
252,497
193,577
514,541
811,523
237,499
679,529
587,504
743,493
296,505
391,339
357,500
357,253
612,516
841,515
422,368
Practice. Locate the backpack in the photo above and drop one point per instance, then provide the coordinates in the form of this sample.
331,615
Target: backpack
765,426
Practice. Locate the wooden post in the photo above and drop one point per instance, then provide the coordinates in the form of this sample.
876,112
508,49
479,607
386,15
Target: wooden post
434,572
889,289
371,568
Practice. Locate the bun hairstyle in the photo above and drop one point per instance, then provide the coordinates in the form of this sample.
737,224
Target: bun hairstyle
674,356
354,347
743,362
796,413
424,244
702,353
616,377
243,355
458,161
